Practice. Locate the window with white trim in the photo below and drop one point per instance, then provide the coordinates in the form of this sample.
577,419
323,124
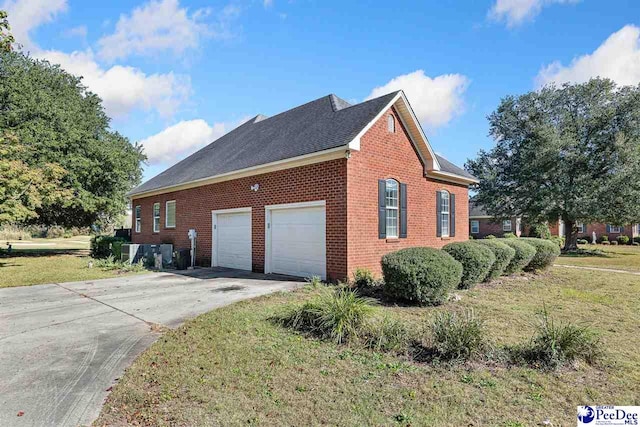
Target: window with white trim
475,226
506,225
391,124
614,229
444,213
391,206
156,217
581,228
170,214
138,218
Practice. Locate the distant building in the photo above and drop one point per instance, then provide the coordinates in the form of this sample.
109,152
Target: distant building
482,224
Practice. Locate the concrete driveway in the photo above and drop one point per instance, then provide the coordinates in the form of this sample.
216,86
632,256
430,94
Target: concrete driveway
62,346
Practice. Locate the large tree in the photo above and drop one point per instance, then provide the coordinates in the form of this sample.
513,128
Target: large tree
58,122
569,153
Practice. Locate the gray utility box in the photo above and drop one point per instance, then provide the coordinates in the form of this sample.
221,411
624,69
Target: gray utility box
134,252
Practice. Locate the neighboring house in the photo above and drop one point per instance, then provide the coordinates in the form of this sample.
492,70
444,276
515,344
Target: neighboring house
321,189
585,231
482,224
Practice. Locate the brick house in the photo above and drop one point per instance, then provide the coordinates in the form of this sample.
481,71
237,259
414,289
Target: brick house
321,189
482,224
585,231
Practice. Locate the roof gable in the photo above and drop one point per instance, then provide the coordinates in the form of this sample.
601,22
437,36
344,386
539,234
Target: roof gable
327,123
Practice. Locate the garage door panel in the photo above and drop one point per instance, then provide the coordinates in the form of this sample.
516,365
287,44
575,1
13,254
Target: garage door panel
298,241
233,240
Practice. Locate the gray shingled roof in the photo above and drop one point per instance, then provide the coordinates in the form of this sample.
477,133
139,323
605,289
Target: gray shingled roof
447,166
476,209
319,125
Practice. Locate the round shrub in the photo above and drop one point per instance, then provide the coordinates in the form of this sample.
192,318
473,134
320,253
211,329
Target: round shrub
503,253
476,261
623,240
546,253
424,276
523,256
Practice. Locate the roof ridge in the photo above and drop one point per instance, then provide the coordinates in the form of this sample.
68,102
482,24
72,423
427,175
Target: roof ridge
338,103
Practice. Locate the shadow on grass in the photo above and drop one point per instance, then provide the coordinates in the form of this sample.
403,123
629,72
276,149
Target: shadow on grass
27,253
579,253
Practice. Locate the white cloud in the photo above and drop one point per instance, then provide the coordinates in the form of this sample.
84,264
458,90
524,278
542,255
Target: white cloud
124,88
181,139
516,12
267,3
434,100
163,26
79,31
618,58
25,16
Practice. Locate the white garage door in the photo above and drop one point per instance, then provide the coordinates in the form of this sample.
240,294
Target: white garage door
232,240
298,241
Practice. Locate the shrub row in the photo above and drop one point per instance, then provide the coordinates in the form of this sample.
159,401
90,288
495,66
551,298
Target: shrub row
426,276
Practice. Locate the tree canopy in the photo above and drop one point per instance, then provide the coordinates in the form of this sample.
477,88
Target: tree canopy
52,127
569,153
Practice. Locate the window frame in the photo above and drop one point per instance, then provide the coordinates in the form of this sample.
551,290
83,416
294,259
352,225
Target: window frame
166,214
477,226
391,124
390,208
156,217
581,227
138,218
445,213
504,225
616,229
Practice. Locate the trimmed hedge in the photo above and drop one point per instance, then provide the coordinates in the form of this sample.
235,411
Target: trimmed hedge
424,276
523,256
476,261
503,253
546,253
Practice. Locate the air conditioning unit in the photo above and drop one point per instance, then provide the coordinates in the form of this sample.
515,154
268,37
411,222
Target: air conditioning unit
134,252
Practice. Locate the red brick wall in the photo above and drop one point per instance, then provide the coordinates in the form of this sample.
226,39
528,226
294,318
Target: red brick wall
321,181
489,226
385,155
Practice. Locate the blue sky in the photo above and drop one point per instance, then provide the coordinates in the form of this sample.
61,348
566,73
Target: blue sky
177,74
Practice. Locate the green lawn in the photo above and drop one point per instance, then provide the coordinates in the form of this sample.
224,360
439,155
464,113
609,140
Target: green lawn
48,261
233,366
616,257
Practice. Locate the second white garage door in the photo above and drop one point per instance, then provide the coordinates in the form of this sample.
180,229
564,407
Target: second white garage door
296,240
232,239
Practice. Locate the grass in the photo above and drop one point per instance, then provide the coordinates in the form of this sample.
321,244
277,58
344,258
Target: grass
617,257
235,366
39,261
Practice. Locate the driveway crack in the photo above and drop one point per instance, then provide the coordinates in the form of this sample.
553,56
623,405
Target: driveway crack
153,326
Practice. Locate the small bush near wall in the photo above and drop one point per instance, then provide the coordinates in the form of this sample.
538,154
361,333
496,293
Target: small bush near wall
523,256
102,246
510,236
503,253
363,278
490,236
423,276
582,241
546,254
603,238
623,240
476,260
